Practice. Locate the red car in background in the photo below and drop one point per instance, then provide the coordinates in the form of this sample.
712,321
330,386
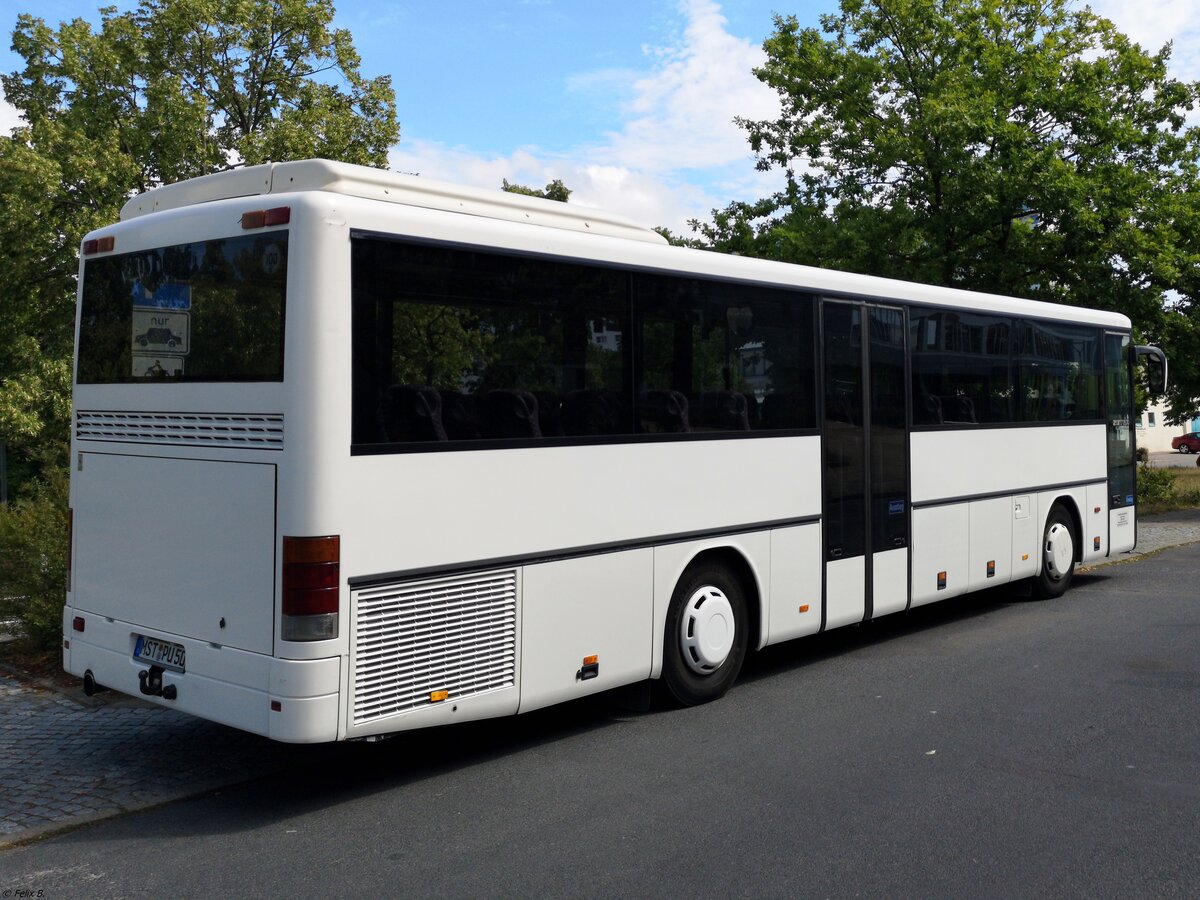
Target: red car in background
1187,443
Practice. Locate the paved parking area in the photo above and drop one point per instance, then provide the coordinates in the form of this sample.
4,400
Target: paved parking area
66,759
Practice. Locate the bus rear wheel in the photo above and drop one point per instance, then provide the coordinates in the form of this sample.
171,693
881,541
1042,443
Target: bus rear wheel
1058,555
706,636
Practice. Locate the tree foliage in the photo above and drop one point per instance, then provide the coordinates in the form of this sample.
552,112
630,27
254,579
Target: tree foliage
555,190
170,90
1024,147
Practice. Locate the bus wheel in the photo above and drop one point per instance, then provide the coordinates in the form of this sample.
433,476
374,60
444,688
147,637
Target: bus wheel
707,632
1058,555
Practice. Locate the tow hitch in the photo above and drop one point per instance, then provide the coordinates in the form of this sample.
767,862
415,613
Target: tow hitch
150,684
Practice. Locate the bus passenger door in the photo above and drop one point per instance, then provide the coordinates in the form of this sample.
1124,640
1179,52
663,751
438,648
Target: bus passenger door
865,449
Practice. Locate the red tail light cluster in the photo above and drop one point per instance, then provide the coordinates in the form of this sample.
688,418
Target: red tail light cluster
311,584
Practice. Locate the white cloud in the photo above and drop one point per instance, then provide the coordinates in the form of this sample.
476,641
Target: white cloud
675,154
1152,23
10,118
682,114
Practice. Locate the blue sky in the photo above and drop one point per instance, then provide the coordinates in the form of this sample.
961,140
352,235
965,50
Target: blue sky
629,102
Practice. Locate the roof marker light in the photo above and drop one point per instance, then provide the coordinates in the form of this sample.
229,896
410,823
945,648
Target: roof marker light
262,218
99,245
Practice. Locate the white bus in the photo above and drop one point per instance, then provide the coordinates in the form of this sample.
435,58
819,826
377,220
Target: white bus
356,452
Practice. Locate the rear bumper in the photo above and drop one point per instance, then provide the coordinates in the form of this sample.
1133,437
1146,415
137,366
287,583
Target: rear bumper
233,687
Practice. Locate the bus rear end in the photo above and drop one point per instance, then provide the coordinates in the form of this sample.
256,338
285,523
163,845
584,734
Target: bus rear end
177,589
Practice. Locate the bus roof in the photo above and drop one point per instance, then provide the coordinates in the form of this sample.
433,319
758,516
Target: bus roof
390,187
652,250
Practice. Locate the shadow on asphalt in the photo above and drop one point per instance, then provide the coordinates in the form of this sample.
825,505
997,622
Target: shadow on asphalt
305,779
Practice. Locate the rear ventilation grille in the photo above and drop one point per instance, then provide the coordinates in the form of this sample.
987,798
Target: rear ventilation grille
264,432
416,640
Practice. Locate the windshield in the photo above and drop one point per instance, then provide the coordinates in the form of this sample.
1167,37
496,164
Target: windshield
205,311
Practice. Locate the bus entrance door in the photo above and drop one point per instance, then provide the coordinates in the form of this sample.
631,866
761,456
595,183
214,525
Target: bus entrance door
865,448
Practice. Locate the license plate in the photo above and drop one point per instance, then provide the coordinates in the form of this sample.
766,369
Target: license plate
162,653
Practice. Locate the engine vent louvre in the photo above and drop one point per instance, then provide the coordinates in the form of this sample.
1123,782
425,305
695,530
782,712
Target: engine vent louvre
263,432
456,634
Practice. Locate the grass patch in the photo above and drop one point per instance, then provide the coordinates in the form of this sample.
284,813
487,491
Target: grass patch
1164,490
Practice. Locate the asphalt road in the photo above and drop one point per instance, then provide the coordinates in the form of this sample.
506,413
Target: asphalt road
1173,460
988,746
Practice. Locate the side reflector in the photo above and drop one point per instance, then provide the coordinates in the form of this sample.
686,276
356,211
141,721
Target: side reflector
438,696
276,706
1024,556
991,568
941,581
589,670
804,607
1096,543
1097,509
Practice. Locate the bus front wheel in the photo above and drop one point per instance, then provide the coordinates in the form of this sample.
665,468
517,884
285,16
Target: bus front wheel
706,636
1058,555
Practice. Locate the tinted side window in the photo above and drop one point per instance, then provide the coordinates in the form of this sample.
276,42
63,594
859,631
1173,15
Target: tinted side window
460,345
960,368
1058,372
714,357
463,345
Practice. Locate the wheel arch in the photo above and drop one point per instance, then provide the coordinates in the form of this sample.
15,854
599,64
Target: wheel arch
738,554
733,559
1071,504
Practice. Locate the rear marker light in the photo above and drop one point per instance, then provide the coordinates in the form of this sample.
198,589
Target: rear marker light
991,568
78,624
1095,543
276,706
941,581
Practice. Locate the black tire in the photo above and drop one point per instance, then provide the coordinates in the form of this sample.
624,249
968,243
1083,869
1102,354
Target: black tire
1053,579
690,678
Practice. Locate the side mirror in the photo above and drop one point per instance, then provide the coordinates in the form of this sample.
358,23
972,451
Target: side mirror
1156,368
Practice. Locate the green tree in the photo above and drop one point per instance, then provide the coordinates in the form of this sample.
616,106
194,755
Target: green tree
167,91
555,190
1025,147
